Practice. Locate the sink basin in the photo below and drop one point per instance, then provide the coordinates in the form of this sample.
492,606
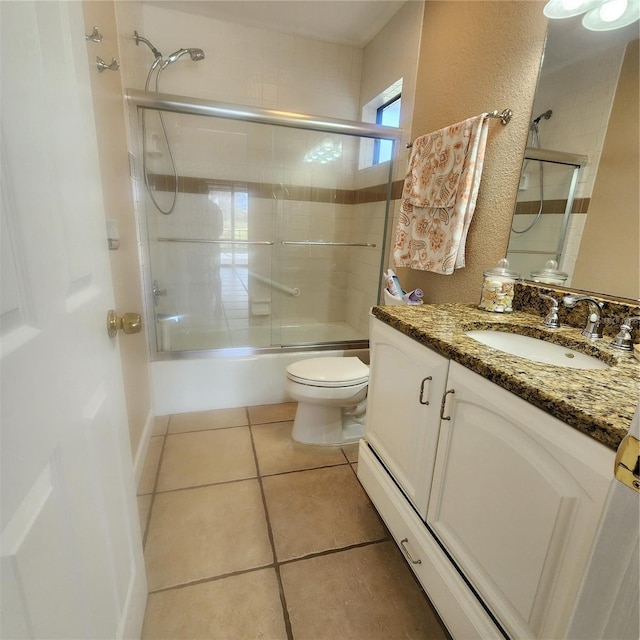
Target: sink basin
537,350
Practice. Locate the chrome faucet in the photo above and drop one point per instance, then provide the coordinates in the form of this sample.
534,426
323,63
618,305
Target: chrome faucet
593,328
623,340
551,321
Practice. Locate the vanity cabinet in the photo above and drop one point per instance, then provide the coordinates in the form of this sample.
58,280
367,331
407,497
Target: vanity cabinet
494,503
406,383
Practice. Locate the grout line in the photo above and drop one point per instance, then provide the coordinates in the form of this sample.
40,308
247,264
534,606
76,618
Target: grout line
234,426
328,552
222,576
276,565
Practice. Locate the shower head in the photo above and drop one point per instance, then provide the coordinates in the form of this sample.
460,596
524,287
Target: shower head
195,54
140,39
543,116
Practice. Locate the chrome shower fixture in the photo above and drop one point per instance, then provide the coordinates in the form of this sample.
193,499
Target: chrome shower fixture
195,54
546,115
140,39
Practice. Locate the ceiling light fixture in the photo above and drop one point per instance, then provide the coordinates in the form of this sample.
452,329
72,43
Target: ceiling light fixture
600,15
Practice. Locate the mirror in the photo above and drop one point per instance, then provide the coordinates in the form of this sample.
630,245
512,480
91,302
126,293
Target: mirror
585,115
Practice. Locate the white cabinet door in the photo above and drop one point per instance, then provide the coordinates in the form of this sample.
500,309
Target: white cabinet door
516,500
406,384
71,555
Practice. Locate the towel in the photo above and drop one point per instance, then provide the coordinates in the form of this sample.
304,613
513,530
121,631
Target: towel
439,197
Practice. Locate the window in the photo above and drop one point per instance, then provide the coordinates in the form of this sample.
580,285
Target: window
387,114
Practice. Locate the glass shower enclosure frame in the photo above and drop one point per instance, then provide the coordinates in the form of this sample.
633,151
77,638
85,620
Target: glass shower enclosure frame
279,234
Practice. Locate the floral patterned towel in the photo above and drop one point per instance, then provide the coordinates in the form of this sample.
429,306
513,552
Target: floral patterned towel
439,197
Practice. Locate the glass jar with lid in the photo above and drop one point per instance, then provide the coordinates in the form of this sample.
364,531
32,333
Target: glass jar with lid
498,288
550,274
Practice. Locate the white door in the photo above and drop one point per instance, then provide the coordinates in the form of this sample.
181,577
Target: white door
71,558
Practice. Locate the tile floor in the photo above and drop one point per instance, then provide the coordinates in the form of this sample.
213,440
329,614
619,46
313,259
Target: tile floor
250,535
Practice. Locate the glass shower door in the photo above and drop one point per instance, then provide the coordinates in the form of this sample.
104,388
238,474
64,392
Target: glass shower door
274,240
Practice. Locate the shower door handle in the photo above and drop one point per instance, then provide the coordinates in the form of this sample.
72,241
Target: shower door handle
207,241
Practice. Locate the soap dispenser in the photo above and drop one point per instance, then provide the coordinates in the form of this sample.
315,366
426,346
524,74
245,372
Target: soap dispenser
498,288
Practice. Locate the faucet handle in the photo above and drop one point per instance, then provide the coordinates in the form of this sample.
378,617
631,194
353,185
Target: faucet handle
551,321
623,340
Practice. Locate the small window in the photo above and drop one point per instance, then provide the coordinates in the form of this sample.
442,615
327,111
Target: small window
387,114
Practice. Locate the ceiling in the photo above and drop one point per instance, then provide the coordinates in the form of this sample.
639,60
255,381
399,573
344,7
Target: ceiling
350,22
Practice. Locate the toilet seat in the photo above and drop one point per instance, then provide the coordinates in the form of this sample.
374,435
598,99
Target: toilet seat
329,372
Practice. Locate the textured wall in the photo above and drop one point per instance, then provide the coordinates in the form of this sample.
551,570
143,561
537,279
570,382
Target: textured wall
475,57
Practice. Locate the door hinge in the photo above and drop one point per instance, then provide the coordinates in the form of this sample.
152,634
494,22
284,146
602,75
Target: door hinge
627,465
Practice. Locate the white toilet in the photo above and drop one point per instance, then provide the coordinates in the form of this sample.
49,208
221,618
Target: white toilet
331,394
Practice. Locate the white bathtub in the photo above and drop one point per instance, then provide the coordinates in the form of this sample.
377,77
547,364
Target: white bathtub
227,381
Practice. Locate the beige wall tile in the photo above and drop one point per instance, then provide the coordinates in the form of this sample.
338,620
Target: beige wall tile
202,420
150,468
206,532
317,510
205,457
244,606
366,593
278,453
272,412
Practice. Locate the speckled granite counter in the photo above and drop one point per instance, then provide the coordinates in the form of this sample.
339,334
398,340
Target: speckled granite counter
600,403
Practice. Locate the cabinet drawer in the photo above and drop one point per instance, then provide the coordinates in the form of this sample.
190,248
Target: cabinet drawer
456,604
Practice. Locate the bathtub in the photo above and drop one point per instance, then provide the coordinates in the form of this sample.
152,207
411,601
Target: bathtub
203,380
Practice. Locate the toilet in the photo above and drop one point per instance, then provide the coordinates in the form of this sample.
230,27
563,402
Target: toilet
331,394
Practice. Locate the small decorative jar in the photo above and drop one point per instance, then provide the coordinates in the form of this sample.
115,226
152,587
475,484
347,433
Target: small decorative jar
550,274
498,288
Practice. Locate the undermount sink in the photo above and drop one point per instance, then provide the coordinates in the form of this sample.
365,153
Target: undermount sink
537,350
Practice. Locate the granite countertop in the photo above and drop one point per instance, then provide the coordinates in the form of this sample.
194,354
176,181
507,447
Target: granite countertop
598,402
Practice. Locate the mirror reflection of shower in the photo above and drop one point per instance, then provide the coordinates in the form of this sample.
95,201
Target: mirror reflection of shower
159,65
536,142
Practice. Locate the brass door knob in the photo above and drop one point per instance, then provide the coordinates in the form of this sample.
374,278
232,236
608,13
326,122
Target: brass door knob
129,323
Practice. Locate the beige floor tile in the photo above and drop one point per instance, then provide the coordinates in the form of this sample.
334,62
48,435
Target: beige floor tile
205,532
202,420
205,457
238,607
150,468
367,593
272,412
278,453
160,424
351,451
144,504
317,510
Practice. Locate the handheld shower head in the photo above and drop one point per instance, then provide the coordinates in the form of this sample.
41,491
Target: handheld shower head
195,54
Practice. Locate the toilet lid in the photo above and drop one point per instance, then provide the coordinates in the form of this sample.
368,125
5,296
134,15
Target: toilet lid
329,372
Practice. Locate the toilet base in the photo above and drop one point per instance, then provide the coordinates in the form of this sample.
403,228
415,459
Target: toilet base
325,425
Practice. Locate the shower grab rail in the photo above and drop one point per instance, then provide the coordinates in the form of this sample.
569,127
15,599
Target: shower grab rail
294,292
315,243
206,241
